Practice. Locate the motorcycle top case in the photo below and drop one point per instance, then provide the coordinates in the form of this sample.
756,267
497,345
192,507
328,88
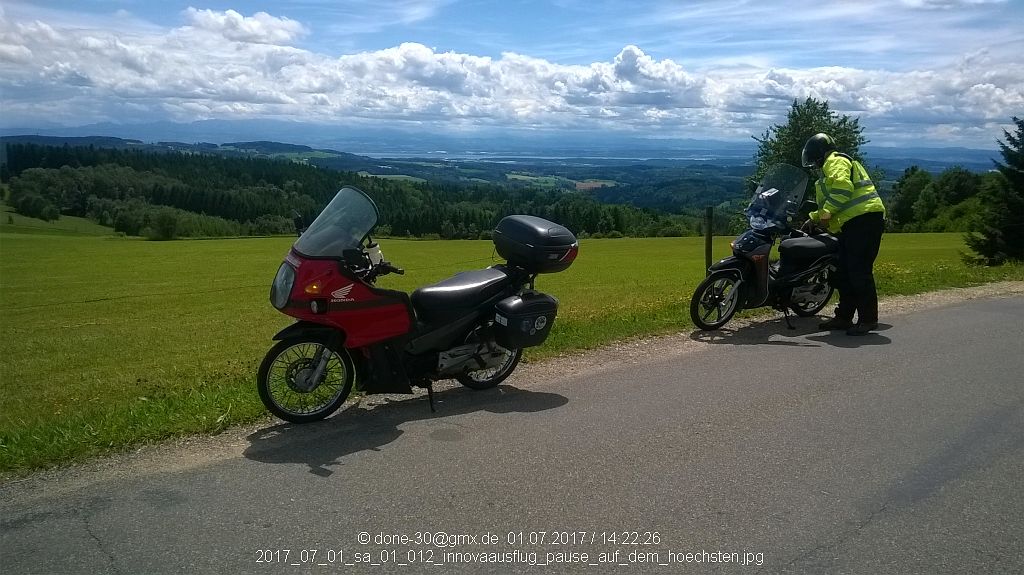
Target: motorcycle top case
535,244
524,321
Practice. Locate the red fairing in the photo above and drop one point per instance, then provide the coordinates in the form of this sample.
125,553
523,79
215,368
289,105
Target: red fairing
365,314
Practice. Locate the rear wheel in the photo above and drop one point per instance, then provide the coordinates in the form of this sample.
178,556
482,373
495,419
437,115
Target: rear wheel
715,301
302,379
815,294
488,377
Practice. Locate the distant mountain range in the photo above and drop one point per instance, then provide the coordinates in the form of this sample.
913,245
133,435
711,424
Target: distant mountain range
395,142
360,145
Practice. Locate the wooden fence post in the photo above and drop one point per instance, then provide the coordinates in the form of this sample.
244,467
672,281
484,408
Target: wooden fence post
709,217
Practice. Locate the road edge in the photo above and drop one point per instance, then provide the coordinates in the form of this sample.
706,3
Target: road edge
199,450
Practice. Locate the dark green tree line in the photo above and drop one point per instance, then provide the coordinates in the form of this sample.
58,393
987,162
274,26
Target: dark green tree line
955,200
238,196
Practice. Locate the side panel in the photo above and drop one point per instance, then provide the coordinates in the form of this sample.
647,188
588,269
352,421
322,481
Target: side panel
800,274
444,336
383,318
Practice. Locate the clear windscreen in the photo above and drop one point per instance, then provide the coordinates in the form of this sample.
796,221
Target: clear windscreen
342,225
778,197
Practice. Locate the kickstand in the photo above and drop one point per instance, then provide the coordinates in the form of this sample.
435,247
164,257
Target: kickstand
430,396
785,314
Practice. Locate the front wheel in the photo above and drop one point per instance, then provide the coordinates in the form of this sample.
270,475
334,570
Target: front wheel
302,379
715,301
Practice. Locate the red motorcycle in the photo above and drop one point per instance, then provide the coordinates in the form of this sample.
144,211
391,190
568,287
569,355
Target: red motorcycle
472,326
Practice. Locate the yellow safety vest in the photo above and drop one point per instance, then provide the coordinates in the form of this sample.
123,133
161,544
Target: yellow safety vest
845,190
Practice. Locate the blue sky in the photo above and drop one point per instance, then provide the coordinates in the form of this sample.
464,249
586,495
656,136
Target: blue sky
928,72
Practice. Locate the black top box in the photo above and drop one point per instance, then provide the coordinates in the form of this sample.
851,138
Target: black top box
535,244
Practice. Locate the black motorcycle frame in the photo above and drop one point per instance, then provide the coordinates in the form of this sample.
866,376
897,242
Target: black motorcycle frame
801,281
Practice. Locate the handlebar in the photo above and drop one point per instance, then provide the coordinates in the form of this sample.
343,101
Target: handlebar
368,262
389,268
381,269
810,227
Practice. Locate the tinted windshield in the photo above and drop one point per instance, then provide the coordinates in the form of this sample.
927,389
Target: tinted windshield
778,197
343,225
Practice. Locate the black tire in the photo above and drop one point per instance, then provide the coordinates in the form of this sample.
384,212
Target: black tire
812,308
718,295
490,377
280,384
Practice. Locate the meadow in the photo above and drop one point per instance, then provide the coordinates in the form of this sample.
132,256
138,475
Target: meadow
108,343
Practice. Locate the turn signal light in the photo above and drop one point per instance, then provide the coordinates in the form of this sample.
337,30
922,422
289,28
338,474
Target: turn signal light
314,288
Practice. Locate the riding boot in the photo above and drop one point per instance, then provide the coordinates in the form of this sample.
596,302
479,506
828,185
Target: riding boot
838,322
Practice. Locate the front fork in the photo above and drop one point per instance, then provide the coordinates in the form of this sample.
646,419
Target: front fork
313,379
323,355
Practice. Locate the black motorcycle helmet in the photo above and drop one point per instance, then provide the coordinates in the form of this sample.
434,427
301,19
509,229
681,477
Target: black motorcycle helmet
817,148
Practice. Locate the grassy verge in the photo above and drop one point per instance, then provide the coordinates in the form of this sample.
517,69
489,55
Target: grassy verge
110,343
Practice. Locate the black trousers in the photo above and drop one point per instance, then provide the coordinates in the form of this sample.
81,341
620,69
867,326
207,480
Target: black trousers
858,247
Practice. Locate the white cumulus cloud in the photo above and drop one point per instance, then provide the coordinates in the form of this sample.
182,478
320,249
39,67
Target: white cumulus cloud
261,28
227,65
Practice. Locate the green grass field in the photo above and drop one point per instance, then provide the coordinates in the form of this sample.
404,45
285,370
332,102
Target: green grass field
399,177
109,343
541,181
11,222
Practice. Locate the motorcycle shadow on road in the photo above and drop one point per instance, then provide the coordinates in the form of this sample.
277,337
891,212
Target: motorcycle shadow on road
773,331
370,423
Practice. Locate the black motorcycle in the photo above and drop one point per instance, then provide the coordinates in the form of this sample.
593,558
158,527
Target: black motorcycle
799,281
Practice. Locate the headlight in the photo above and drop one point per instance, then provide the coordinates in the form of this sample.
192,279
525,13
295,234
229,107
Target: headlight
281,289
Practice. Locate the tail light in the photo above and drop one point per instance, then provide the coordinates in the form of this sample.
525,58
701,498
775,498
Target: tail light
571,254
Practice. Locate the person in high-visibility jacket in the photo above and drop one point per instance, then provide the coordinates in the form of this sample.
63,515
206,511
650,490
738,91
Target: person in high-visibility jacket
848,206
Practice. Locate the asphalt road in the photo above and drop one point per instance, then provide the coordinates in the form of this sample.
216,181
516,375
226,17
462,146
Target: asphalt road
791,451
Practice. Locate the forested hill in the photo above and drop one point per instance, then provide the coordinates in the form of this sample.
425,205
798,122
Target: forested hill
166,194
174,189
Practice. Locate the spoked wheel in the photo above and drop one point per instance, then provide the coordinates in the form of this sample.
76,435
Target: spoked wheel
816,293
302,379
489,377
715,301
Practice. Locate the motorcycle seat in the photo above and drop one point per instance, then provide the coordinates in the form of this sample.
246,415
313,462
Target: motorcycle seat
452,297
808,248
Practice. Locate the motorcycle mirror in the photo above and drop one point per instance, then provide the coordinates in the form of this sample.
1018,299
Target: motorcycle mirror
352,255
300,222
